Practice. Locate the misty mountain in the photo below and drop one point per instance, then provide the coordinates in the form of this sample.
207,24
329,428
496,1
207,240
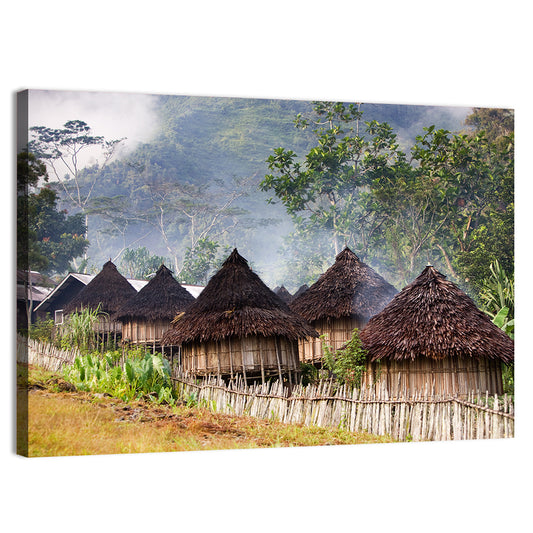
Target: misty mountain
207,143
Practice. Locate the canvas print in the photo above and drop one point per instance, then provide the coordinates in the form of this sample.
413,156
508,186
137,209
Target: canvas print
208,273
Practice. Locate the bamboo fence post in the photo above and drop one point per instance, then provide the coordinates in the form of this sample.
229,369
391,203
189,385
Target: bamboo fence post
276,342
218,346
230,358
243,363
261,362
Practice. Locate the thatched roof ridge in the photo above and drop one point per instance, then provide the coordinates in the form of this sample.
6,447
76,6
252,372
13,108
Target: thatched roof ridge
109,288
300,291
348,288
284,294
236,302
161,298
432,317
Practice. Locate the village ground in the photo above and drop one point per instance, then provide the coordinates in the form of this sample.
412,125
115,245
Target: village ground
64,422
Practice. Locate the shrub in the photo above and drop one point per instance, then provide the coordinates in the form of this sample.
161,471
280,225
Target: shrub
348,363
142,376
42,330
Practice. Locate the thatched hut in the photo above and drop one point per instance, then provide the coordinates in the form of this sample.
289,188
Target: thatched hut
433,335
107,291
237,325
147,315
343,298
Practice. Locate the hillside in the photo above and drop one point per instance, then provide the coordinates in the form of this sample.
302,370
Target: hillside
207,143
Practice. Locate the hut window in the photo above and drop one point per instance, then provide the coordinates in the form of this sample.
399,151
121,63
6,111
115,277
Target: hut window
58,316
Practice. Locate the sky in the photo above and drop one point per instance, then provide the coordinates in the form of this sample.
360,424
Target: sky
114,115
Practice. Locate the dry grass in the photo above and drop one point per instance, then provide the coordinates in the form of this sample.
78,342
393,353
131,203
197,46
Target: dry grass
74,423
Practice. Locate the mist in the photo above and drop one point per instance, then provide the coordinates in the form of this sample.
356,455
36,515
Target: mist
238,150
111,115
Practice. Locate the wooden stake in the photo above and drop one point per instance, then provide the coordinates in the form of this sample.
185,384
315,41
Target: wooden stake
230,358
243,364
261,361
278,356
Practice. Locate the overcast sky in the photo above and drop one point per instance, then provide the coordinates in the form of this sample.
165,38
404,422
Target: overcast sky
112,114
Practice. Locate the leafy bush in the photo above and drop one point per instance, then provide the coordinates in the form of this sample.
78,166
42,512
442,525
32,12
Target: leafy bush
508,379
42,330
142,376
309,373
498,292
348,363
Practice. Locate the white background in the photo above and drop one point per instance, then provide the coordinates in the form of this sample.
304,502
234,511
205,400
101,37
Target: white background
455,53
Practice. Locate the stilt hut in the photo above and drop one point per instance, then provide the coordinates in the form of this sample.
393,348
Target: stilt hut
147,315
343,298
238,326
107,291
432,336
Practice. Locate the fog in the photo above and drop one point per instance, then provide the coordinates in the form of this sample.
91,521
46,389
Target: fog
109,114
133,116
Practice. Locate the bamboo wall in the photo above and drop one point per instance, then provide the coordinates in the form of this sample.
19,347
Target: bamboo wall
451,376
339,332
144,332
251,356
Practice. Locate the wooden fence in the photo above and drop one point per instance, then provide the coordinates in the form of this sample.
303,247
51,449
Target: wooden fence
45,355
417,417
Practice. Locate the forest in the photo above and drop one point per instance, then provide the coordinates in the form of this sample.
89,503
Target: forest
288,183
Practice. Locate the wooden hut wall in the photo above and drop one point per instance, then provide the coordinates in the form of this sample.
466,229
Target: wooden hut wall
144,332
450,376
253,355
339,332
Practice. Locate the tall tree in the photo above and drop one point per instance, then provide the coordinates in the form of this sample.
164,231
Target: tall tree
323,190
47,238
188,215
62,149
139,263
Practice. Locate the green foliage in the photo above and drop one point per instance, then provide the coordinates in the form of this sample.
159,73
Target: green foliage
321,191
348,363
497,292
497,297
200,262
47,239
451,202
139,263
42,330
192,400
508,379
309,373
78,329
143,375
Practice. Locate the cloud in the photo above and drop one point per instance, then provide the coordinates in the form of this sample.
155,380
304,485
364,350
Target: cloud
113,115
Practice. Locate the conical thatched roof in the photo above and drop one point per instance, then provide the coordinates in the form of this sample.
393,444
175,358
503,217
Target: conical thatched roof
162,298
109,288
300,291
284,294
348,288
432,317
236,302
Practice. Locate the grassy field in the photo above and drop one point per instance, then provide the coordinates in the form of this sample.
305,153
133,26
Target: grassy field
64,422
